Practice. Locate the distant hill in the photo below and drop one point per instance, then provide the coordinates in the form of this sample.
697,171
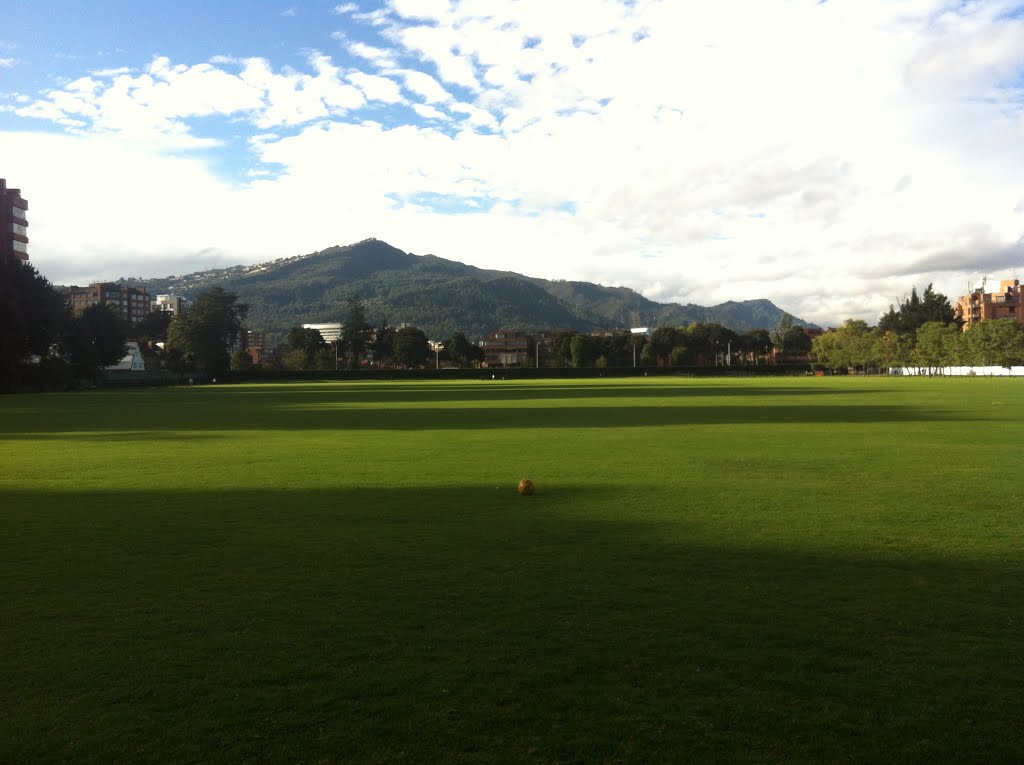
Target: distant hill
442,296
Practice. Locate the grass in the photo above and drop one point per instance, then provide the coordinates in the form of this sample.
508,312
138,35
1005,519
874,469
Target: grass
756,570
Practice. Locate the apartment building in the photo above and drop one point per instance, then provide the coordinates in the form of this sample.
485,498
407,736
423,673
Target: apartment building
980,305
175,305
13,223
133,303
508,348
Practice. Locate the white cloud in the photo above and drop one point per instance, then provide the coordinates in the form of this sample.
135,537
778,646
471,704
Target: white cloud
827,156
8,63
344,8
429,112
381,58
425,86
377,88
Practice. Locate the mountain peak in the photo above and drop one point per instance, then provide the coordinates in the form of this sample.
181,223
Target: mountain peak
443,296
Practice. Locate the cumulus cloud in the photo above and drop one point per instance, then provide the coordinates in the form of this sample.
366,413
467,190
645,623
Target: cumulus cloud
827,156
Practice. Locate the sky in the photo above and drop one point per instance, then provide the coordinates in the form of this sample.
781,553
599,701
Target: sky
826,155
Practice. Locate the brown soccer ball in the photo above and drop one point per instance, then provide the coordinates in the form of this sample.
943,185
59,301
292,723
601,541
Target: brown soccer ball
526,486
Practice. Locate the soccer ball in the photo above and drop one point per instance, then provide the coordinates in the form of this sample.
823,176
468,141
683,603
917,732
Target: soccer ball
526,486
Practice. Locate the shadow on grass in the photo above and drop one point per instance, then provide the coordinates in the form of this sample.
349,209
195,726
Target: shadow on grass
503,390
156,415
465,624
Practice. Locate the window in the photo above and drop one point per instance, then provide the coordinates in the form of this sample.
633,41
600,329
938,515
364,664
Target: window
19,246
17,212
17,228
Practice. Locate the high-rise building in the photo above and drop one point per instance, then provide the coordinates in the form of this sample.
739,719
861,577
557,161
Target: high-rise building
133,303
13,223
175,305
979,305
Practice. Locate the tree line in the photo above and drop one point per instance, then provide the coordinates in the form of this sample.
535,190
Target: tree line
922,331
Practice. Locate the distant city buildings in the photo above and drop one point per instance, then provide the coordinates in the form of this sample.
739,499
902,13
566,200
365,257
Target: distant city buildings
330,331
508,348
13,223
132,303
175,305
980,305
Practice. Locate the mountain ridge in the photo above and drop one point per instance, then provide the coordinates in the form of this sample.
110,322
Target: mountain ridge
442,296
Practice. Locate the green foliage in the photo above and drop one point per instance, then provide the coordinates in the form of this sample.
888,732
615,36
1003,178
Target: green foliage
411,347
202,337
305,345
241,360
914,311
582,350
998,342
459,349
95,339
663,340
356,331
938,344
384,342
32,317
153,327
850,346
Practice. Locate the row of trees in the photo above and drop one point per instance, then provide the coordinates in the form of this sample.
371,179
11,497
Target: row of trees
699,343
41,342
921,331
996,342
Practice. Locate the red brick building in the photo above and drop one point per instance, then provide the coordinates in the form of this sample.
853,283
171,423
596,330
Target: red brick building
133,303
508,348
13,223
1004,304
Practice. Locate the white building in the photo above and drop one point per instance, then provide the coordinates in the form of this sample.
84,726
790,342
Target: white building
330,331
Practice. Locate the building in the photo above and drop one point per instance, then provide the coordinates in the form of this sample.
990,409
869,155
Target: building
980,305
330,331
133,303
175,305
508,348
13,223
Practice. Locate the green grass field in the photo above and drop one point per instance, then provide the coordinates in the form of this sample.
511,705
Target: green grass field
813,569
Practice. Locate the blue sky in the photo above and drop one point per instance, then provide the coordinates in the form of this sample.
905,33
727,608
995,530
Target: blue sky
827,156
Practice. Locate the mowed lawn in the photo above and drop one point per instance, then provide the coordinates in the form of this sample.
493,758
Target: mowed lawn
807,569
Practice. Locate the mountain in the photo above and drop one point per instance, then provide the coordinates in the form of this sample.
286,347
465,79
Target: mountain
441,296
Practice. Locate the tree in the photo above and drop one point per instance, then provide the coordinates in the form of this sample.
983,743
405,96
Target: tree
755,344
356,332
938,344
914,311
241,360
707,340
891,348
582,351
32,317
202,338
852,345
459,349
304,345
383,342
411,347
326,358
796,341
778,334
154,327
94,339
996,342
663,340
560,349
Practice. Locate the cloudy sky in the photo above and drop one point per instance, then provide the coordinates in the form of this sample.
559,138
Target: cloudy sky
825,155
